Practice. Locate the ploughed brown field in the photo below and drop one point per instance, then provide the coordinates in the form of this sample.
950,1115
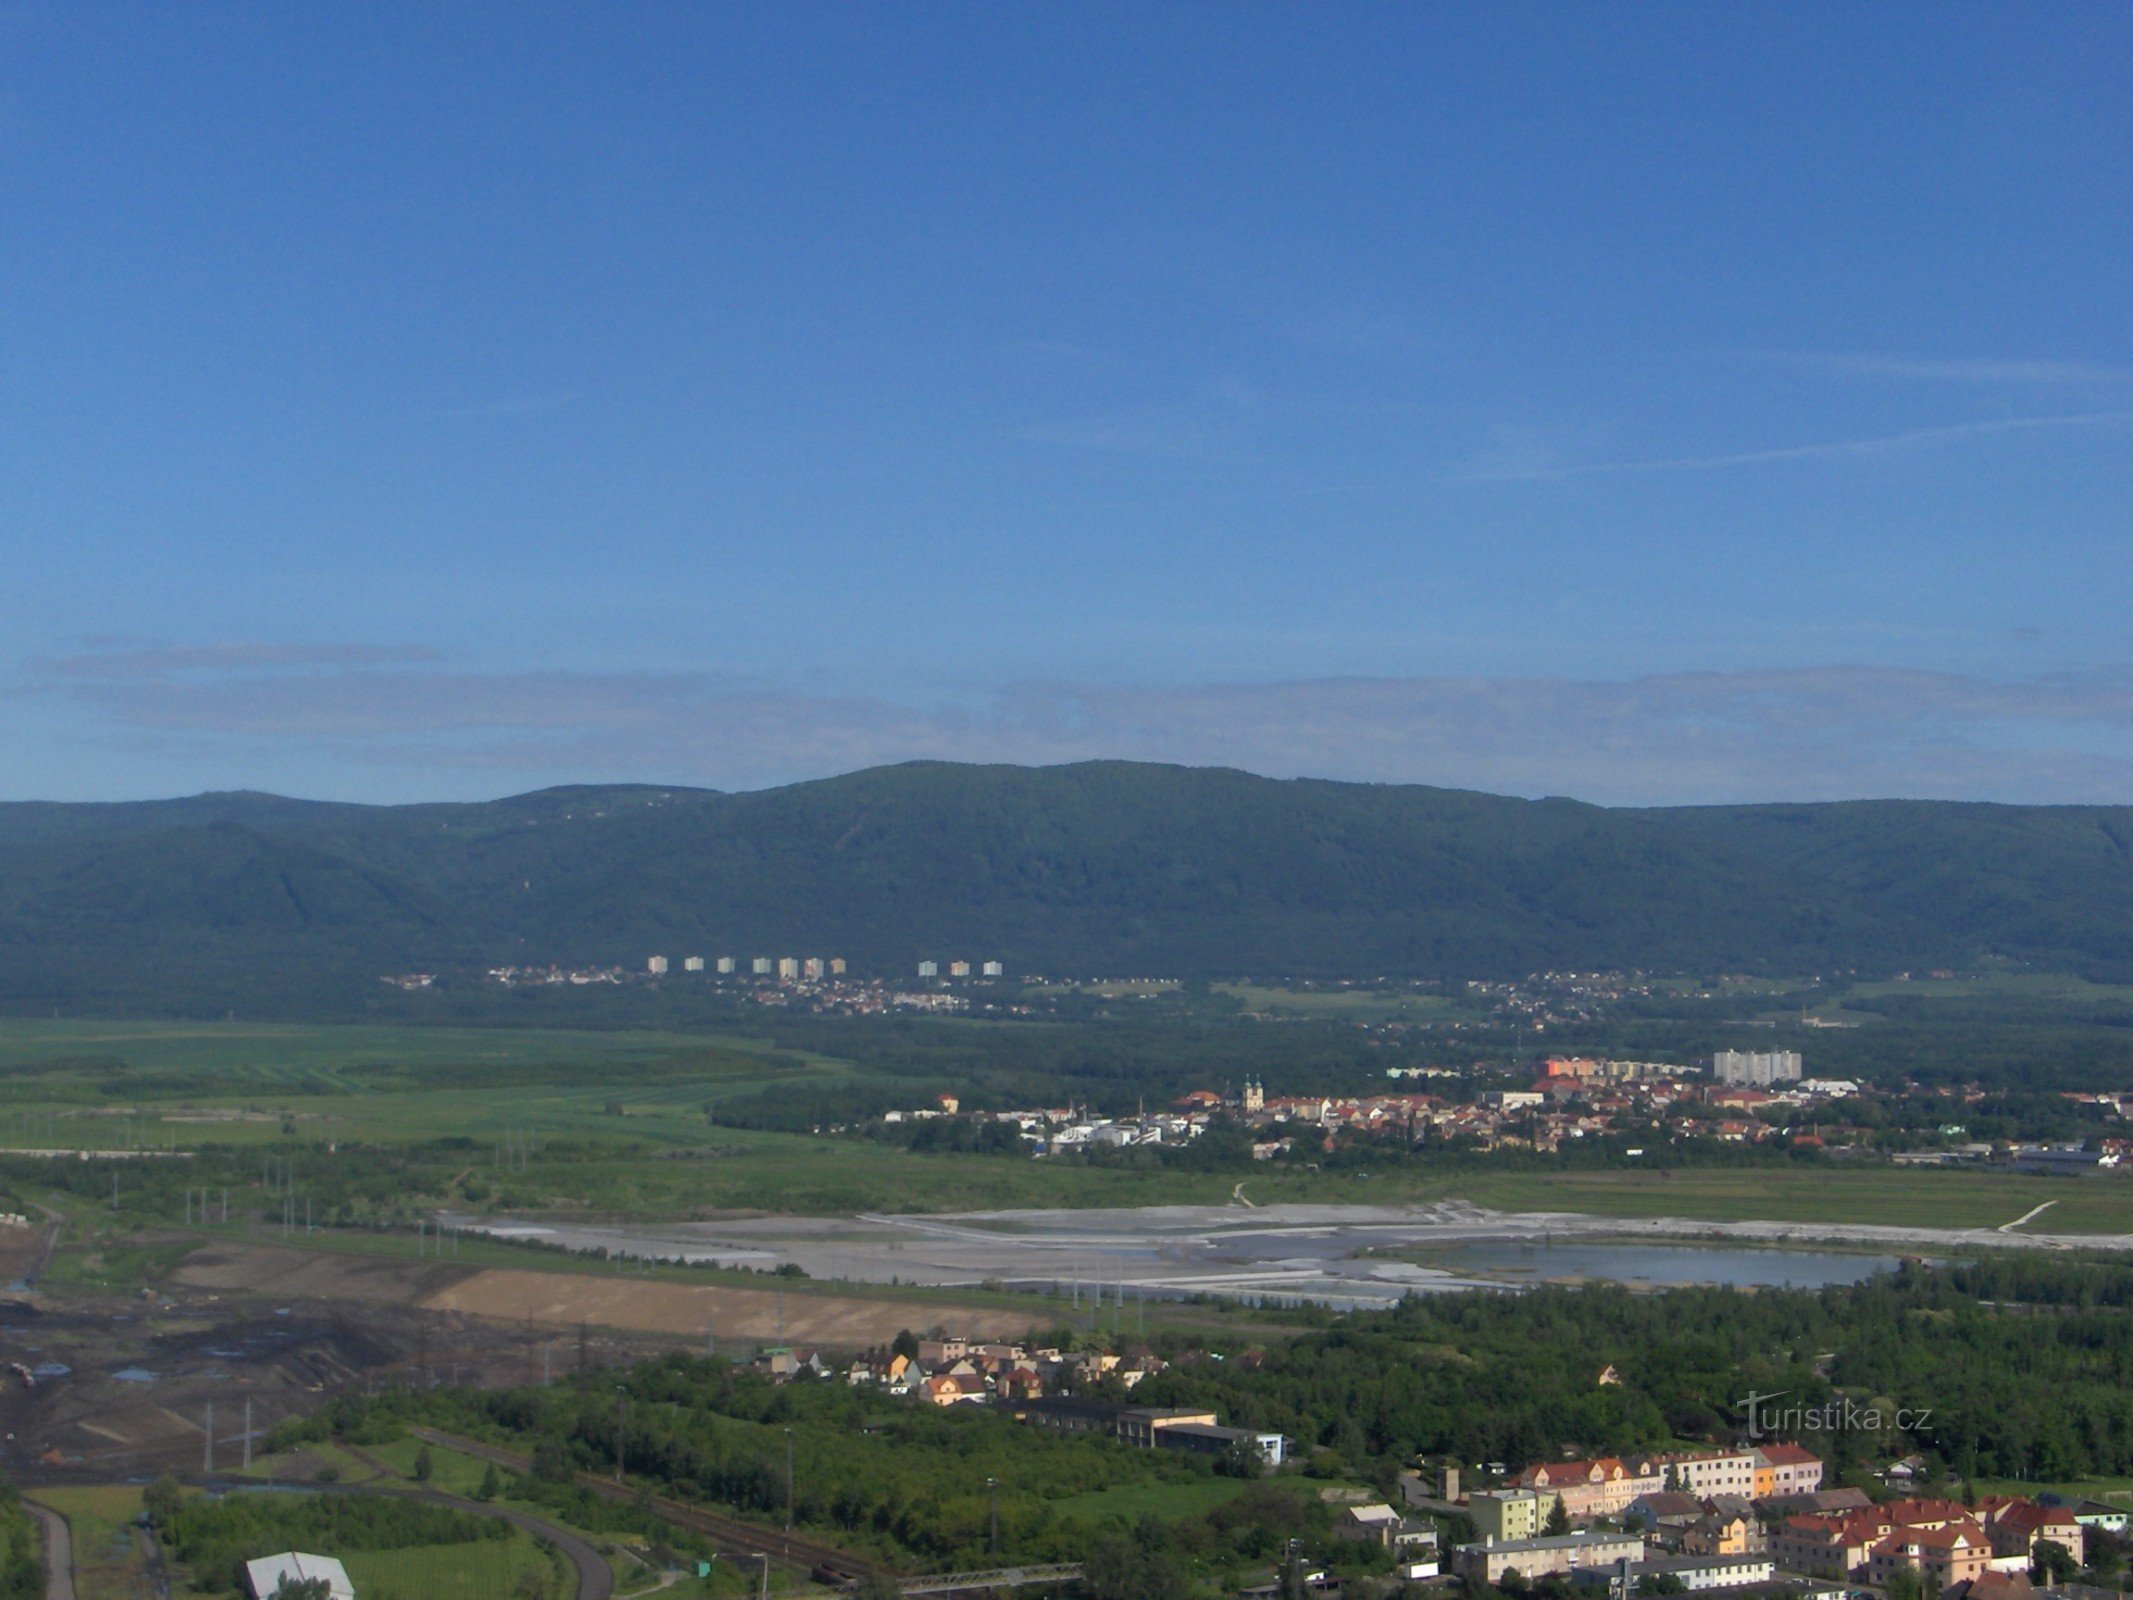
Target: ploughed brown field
564,1300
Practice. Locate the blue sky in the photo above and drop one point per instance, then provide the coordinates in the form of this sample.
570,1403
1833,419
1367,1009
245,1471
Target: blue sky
1647,403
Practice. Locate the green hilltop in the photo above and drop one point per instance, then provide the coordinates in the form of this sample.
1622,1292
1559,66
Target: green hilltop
1110,868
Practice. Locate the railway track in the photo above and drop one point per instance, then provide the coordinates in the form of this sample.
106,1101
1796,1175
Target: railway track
732,1537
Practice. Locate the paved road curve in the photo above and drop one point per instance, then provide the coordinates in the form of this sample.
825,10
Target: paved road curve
596,1579
58,1551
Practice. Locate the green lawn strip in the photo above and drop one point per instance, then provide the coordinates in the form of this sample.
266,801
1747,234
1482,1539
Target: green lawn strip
451,1471
1350,1005
2024,985
345,1466
1883,1195
298,1052
1889,1196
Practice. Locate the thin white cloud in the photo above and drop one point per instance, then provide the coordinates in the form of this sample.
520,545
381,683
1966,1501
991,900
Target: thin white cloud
1986,370
137,662
1885,444
1823,733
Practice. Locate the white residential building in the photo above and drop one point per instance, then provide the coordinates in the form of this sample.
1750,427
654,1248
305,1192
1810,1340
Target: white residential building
1704,1474
1694,1573
1536,1558
1760,1068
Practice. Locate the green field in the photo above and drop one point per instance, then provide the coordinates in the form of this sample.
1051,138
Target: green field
2045,986
485,1569
1895,1196
392,1123
1340,1005
97,1068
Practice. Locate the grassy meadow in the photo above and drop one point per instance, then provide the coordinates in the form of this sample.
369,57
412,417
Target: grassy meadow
376,1126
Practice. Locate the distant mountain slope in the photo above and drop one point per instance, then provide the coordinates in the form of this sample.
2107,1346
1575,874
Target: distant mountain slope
1103,867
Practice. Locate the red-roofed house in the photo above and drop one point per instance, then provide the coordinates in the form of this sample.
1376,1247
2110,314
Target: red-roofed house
1993,1586
2019,1526
1602,1488
948,1391
1956,1553
1831,1547
1927,1513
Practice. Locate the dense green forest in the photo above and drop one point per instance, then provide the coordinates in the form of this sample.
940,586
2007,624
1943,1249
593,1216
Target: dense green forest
273,906
2023,1367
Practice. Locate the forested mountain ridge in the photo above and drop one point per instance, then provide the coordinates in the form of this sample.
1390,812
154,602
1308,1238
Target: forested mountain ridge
1098,868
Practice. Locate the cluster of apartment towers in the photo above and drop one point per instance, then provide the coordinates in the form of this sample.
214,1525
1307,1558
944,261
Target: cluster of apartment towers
809,969
1757,1068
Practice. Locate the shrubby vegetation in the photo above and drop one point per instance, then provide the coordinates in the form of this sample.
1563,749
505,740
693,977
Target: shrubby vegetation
215,1538
21,1570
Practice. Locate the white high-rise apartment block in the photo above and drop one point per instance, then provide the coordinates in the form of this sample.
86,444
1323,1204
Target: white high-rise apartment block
692,963
929,969
836,966
958,969
762,966
725,965
656,966
1704,1473
993,969
813,967
788,969
1760,1068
